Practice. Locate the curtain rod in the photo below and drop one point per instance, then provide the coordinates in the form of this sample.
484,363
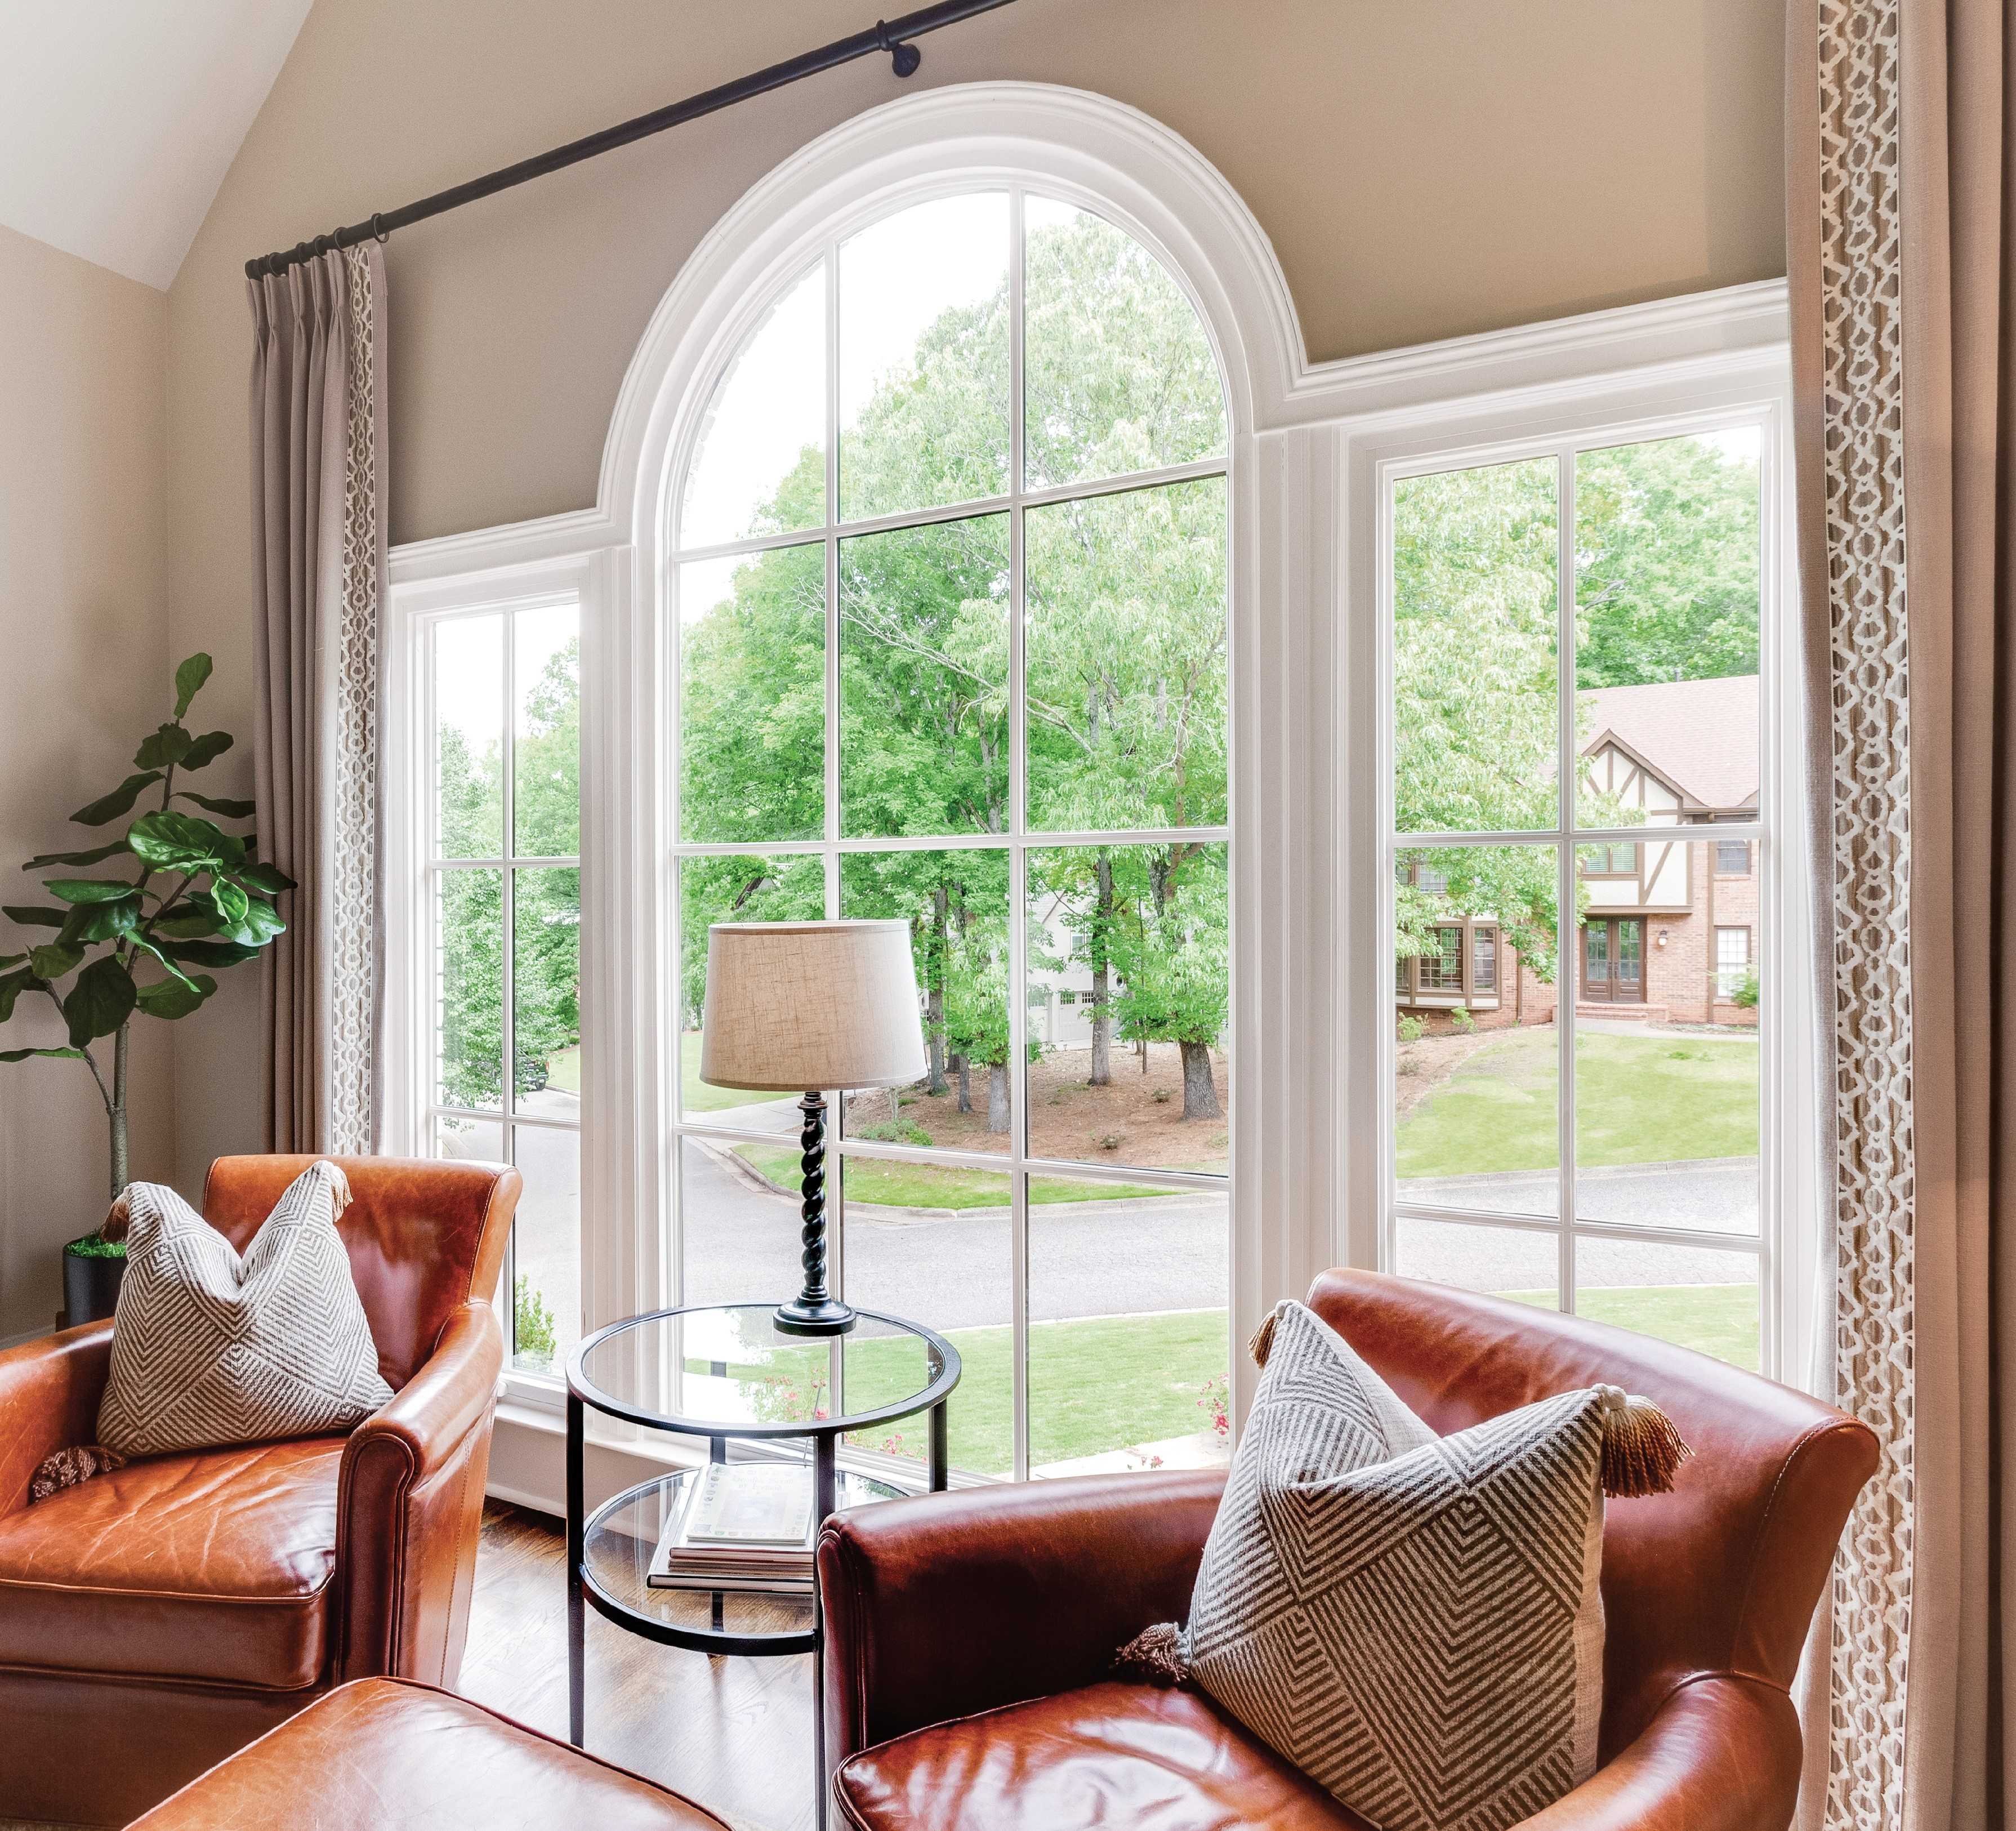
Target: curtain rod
889,36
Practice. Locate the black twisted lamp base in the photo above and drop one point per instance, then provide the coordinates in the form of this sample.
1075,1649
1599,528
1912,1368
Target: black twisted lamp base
814,1311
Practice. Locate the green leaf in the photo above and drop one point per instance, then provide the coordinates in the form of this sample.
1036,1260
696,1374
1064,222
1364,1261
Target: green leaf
56,959
109,807
35,918
11,985
171,842
89,889
22,1054
214,953
185,922
230,903
189,678
94,856
103,921
176,997
167,747
207,749
8,959
147,946
269,878
230,810
101,1000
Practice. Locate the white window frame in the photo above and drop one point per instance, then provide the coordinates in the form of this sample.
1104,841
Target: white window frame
1311,1019
1710,396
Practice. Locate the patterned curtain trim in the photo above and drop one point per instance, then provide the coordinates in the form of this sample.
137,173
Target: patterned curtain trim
355,916
1863,463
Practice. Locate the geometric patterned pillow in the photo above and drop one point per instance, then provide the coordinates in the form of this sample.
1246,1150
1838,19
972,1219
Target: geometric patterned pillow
1415,1621
209,1349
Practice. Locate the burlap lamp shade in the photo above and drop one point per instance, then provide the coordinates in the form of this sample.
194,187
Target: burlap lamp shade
797,1005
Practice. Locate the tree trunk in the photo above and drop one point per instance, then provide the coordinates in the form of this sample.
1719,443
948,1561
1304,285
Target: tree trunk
1102,1022
997,1096
935,1048
118,1114
965,1068
1200,1092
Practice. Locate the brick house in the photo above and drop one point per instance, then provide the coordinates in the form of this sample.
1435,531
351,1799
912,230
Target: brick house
1668,929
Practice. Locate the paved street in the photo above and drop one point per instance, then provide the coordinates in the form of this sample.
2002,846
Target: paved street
1108,1258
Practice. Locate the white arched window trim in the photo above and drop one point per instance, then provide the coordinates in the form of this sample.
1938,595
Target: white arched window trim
1305,441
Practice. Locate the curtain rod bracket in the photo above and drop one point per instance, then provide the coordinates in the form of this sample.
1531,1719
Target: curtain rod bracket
904,58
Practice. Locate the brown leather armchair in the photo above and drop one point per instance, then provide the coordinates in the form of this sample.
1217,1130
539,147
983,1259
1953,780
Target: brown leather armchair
969,1635
158,1617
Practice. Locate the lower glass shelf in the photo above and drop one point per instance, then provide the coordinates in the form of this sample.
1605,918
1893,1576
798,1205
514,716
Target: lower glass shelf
623,1535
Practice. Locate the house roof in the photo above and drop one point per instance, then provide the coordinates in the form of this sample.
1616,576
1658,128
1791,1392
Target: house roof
1700,736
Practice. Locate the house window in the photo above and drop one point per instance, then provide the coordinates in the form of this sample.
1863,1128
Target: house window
502,690
1609,861
1442,968
1600,1152
1484,960
1732,858
951,582
1732,960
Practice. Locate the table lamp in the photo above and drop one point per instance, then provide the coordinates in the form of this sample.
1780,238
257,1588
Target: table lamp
798,1007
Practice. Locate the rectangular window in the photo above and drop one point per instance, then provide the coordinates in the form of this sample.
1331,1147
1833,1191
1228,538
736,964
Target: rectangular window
1732,960
1618,590
503,843
1609,861
1732,858
1441,970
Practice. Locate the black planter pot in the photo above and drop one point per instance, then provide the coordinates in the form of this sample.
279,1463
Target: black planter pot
91,1286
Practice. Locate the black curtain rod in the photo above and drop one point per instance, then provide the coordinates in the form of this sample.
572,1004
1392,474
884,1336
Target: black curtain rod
890,36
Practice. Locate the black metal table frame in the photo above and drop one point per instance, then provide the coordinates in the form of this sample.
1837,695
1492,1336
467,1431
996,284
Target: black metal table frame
584,1591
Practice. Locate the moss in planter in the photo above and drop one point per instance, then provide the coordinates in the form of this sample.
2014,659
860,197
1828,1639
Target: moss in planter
94,1246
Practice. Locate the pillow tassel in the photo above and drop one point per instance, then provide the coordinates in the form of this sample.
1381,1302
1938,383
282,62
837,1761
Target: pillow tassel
1154,1657
1642,1449
1262,1343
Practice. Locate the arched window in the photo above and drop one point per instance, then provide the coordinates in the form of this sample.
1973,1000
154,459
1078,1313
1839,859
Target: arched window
949,566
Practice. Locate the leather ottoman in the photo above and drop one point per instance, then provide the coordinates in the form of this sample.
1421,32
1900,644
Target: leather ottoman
384,1754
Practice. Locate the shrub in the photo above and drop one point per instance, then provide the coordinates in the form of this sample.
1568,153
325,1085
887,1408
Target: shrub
1411,1029
1160,1096
533,1334
898,1131
1460,1019
1745,994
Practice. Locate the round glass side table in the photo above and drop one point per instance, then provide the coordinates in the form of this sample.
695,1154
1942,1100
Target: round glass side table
728,1373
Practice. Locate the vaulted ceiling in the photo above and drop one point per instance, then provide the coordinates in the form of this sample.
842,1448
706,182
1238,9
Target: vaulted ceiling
119,118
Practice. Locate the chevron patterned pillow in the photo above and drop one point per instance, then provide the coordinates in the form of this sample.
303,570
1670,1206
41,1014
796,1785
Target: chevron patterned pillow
1413,1620
209,1349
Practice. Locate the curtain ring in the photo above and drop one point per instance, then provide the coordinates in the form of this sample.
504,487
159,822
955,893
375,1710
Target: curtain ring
384,235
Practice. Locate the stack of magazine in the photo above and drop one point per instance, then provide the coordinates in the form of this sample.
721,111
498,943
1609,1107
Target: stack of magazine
746,1526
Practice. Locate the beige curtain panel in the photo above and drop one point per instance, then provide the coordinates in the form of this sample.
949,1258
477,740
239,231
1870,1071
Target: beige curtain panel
319,485
1900,168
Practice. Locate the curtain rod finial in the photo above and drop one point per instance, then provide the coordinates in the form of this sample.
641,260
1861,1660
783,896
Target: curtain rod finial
903,58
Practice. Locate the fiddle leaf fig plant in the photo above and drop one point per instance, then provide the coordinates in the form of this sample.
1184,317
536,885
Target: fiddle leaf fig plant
136,927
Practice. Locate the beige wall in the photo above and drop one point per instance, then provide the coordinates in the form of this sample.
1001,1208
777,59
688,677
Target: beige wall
83,675
1425,170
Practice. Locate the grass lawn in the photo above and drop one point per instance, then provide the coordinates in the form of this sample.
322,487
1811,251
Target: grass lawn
1109,1382
1638,1100
924,1185
1094,1386
1721,1319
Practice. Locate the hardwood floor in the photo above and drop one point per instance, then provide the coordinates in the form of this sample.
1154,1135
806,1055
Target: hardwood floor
735,1735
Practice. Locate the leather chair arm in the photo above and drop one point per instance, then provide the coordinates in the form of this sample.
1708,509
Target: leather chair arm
50,1391
410,1506
945,1604
1722,1754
